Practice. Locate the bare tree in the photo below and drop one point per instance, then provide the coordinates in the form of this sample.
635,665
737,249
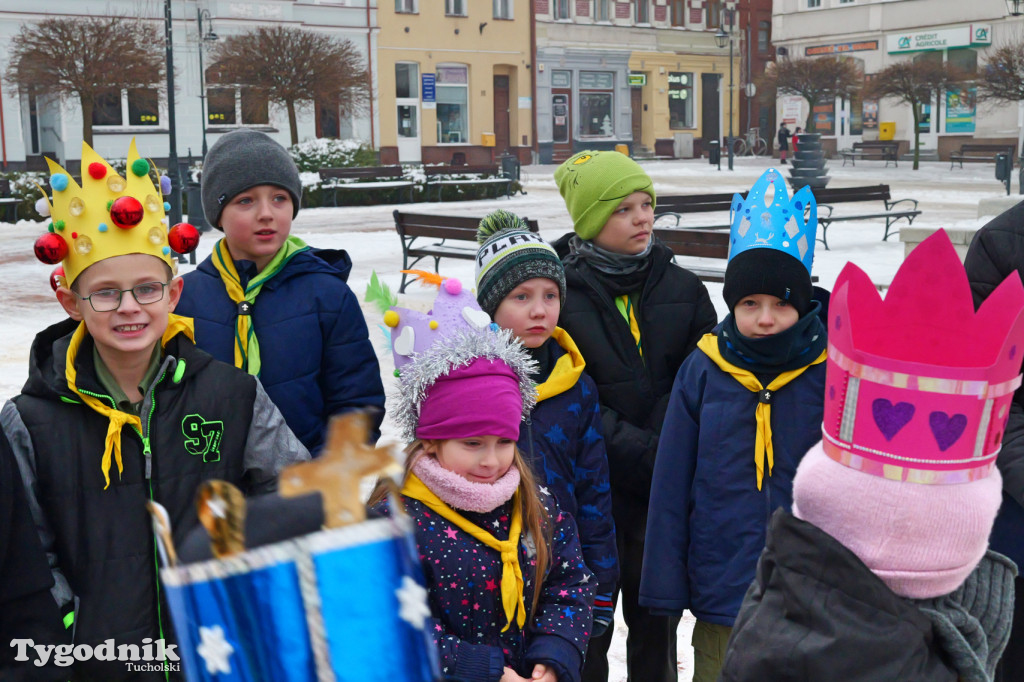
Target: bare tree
1002,80
86,58
914,82
817,80
295,68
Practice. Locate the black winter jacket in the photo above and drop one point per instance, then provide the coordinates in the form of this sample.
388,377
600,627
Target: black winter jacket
996,252
202,420
673,313
816,612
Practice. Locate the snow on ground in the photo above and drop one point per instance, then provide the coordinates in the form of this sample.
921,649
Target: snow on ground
948,198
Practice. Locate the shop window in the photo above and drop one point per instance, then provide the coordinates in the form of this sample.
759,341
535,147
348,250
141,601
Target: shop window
596,95
452,104
677,12
680,100
503,9
136,106
643,11
405,6
455,8
965,60
764,36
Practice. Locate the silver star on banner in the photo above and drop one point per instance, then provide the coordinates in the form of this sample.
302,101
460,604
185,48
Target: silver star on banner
412,603
215,650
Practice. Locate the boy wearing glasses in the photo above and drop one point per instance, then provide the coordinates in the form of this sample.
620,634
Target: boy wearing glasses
121,408
273,306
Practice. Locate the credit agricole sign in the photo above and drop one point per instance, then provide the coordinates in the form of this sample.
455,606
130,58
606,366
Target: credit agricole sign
940,38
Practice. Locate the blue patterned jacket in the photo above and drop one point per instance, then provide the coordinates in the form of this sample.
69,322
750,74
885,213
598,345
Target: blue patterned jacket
564,444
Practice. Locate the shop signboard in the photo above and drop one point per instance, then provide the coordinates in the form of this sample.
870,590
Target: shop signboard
869,109
825,118
939,39
839,48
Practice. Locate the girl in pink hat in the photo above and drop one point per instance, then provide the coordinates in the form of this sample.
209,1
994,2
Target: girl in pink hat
510,596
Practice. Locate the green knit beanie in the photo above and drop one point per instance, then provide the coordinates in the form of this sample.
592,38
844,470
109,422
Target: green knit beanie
593,185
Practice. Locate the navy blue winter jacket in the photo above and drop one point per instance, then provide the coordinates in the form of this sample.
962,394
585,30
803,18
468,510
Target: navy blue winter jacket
707,521
316,353
564,445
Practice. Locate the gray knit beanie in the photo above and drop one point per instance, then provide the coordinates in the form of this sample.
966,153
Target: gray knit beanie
241,160
509,255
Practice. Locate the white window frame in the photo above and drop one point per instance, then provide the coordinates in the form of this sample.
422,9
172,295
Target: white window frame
466,117
503,9
557,5
603,10
456,8
240,121
813,4
691,116
406,7
161,123
646,5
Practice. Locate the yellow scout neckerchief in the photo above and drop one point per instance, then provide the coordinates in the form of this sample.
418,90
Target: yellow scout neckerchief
567,369
625,306
763,414
247,347
175,325
511,573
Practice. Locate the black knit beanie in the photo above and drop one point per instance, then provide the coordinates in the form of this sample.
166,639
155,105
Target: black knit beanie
768,271
241,160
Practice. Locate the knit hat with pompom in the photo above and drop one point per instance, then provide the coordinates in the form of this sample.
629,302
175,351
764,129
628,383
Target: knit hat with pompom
509,255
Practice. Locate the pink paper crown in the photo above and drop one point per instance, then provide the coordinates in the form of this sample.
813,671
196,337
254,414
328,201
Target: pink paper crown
919,385
413,331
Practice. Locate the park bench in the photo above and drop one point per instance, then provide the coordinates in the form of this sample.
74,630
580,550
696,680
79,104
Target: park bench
365,179
674,206
8,203
709,245
431,236
980,152
456,176
827,197
872,149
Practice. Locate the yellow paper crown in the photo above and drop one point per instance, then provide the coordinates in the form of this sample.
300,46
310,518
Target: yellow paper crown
93,226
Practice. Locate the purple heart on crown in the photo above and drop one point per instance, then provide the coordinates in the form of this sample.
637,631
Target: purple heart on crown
947,430
891,418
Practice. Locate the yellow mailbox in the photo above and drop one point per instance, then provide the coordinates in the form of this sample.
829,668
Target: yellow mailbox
487,139
886,130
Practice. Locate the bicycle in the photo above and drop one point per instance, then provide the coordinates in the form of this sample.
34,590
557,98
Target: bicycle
752,145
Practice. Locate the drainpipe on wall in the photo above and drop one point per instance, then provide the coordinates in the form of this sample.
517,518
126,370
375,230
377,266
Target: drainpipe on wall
533,81
369,70
3,130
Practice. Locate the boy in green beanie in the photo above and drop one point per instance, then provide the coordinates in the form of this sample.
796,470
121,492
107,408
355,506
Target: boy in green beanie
635,316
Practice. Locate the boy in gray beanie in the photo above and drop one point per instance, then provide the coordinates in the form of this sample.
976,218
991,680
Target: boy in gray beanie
520,283
271,305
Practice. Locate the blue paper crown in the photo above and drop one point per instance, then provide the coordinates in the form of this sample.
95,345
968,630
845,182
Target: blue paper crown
780,225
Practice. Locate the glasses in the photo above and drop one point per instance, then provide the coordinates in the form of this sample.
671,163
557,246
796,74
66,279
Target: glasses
106,300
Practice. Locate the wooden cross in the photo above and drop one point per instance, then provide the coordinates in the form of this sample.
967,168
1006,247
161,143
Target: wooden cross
339,470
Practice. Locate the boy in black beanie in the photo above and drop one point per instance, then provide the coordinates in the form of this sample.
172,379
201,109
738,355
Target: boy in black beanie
273,306
744,409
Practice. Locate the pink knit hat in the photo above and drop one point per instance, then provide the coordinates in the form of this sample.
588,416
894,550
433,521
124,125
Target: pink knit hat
479,399
918,389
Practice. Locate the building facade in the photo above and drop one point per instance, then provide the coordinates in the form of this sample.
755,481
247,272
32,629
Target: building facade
32,127
454,80
646,74
877,33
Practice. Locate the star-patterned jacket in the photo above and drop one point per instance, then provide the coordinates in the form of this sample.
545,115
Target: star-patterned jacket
564,444
463,580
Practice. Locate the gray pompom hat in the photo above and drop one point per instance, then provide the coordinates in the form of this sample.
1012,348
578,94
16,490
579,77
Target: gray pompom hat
241,160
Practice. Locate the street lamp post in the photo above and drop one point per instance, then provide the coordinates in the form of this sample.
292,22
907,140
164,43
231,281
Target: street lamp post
172,137
722,39
203,38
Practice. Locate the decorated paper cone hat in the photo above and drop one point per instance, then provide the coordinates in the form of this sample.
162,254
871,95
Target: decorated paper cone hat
108,216
460,376
918,384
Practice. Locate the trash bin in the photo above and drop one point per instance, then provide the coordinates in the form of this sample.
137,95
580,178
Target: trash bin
714,152
1004,169
509,166
195,206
